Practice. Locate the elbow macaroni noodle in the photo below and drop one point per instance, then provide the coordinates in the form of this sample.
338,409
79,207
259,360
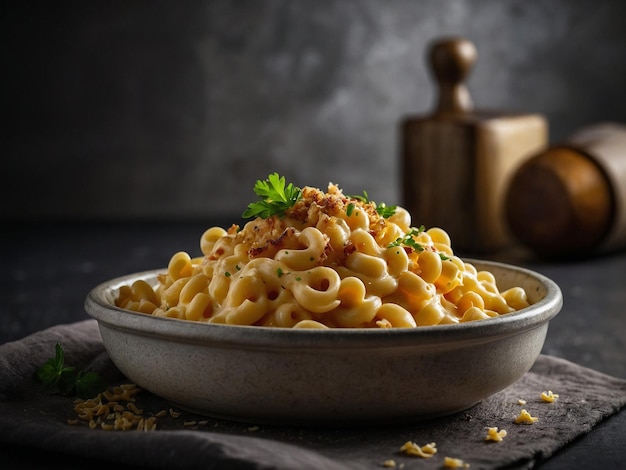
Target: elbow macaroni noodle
331,262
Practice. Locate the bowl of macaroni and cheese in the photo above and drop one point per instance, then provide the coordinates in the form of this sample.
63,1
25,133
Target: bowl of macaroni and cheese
324,309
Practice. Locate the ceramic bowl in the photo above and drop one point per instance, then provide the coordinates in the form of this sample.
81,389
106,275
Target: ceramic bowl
337,376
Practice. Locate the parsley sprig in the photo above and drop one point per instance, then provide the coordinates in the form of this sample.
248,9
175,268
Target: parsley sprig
408,240
382,209
276,196
57,377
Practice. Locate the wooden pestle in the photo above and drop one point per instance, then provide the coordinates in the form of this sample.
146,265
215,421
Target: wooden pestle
457,162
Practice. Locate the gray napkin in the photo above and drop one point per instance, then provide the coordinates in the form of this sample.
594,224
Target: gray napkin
29,416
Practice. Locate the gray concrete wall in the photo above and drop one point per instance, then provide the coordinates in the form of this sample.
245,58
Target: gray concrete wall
173,109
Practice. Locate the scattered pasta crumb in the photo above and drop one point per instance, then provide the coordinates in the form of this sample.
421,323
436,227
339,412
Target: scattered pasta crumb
115,410
389,463
525,418
450,462
104,411
494,435
521,402
549,396
425,451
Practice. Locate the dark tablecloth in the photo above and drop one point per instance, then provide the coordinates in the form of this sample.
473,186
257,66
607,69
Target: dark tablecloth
30,416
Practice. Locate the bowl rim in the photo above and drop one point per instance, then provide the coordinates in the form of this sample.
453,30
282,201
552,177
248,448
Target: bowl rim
245,336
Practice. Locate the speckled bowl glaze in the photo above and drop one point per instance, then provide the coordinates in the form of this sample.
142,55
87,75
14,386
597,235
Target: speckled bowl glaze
327,377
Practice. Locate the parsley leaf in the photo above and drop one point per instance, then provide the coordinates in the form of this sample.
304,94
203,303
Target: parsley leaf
89,384
409,241
365,198
56,377
350,209
383,209
276,197
53,372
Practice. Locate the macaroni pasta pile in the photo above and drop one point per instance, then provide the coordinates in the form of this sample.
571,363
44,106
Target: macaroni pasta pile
328,261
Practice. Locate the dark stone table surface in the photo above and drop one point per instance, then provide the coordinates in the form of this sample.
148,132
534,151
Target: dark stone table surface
48,269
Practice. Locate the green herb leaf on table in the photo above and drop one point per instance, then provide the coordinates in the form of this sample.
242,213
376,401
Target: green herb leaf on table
277,197
89,384
53,372
56,377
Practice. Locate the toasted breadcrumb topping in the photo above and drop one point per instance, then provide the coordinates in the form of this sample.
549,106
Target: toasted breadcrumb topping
316,208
